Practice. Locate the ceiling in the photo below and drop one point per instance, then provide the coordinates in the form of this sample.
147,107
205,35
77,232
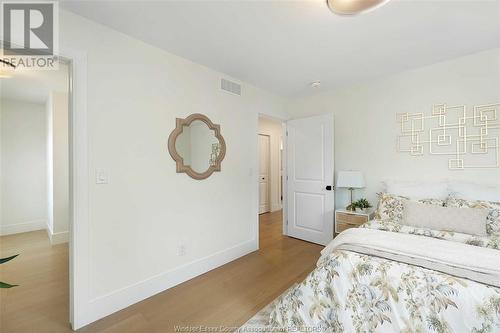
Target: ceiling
282,46
34,86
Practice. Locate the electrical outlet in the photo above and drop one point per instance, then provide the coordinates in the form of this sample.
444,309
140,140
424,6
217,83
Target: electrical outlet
181,250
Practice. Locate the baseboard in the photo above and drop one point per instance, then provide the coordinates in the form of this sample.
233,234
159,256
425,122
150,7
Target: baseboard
275,208
105,305
17,228
58,237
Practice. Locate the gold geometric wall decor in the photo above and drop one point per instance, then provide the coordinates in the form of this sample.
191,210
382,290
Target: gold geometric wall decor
470,139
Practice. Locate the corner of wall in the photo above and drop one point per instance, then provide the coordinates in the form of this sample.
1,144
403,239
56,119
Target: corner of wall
58,237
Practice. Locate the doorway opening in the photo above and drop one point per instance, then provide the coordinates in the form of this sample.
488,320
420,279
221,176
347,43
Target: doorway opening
35,189
264,170
271,173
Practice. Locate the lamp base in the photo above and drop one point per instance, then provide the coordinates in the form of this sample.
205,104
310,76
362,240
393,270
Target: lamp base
351,206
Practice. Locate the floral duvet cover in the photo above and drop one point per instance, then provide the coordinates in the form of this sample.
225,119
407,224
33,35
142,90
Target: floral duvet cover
354,292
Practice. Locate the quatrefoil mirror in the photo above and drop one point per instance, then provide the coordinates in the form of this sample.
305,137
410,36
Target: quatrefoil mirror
197,146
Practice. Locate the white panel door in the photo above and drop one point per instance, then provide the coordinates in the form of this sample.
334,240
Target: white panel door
264,150
310,193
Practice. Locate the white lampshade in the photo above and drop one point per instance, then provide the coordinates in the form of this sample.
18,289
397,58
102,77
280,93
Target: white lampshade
350,179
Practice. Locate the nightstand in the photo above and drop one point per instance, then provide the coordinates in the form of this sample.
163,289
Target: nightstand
345,219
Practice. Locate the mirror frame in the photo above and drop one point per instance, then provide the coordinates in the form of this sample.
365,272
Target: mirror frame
179,161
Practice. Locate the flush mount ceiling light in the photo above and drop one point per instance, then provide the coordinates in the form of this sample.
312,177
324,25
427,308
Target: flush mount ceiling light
6,69
354,7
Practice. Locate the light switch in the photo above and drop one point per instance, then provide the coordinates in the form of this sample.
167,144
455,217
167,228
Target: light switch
101,176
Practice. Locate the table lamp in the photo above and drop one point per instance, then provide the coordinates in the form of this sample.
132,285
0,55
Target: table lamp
350,180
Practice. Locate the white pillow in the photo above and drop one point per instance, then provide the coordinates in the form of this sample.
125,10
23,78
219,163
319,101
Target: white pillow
493,220
418,190
471,191
465,220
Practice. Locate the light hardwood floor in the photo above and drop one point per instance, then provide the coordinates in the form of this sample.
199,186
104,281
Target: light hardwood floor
227,296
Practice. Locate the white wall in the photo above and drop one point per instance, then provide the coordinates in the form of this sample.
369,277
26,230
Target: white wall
139,220
23,170
273,128
365,119
58,167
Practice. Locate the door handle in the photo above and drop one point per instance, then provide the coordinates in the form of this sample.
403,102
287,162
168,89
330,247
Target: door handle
328,187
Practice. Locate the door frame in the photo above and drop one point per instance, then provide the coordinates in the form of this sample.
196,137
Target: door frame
284,192
78,229
79,270
269,177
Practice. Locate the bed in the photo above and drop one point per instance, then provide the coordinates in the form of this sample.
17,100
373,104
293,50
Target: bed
390,277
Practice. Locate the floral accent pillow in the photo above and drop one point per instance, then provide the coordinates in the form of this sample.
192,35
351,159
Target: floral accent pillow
493,219
391,207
